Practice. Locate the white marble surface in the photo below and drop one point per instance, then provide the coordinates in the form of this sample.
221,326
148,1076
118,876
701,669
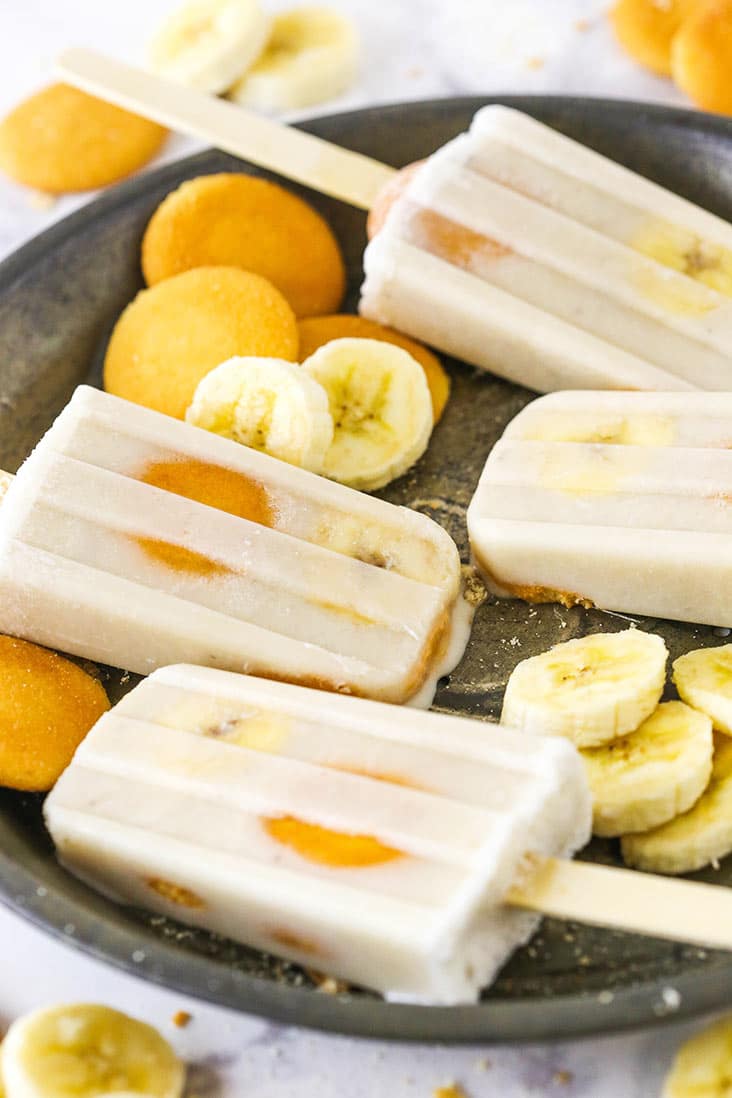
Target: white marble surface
411,49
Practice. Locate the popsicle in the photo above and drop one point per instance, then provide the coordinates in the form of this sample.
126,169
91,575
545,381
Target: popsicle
524,253
407,852
136,540
513,247
366,841
617,500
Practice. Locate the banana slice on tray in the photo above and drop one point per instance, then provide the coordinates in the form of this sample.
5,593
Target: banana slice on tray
653,774
269,404
591,690
704,679
311,56
381,408
703,1065
84,1051
207,44
702,836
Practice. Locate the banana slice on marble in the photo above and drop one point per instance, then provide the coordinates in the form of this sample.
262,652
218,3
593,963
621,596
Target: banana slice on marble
702,836
646,778
704,680
591,690
311,56
381,409
269,404
85,1051
207,44
703,1065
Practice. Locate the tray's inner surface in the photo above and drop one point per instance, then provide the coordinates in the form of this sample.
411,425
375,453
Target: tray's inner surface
54,320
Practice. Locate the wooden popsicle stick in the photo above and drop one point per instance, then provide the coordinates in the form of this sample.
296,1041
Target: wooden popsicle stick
626,899
349,176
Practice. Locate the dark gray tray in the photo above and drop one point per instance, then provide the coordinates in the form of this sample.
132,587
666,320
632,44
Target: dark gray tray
59,296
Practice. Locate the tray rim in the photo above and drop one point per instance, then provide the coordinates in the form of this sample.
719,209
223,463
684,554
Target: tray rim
153,959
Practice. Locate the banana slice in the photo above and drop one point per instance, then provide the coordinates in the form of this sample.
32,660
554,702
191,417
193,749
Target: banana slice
207,44
703,1064
653,774
381,408
84,1051
591,690
704,680
701,836
311,56
269,404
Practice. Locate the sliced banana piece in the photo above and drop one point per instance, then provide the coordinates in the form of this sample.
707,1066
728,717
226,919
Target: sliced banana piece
653,774
591,690
381,408
207,44
269,404
84,1051
703,1064
311,56
704,680
700,837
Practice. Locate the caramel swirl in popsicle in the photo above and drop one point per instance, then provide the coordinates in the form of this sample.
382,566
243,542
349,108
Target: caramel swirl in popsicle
214,485
321,845
455,243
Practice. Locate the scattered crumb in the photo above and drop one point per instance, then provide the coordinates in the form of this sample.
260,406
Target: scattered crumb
474,590
327,985
605,997
483,1064
39,200
452,1090
582,25
535,63
181,1019
415,71
562,1078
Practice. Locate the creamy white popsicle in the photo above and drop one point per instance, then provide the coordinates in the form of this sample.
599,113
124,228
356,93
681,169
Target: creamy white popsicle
619,500
137,540
524,253
371,842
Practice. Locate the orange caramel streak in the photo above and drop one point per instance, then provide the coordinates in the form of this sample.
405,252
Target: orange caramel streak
323,846
214,486
174,893
455,243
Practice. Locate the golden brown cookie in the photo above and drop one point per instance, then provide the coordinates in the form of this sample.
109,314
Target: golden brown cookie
173,334
47,706
63,140
701,57
645,29
239,221
317,330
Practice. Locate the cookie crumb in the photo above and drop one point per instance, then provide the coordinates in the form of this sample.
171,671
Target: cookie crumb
562,1078
326,985
182,1018
582,25
452,1090
483,1064
535,63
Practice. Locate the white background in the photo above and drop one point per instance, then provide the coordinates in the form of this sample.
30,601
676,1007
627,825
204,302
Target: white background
411,49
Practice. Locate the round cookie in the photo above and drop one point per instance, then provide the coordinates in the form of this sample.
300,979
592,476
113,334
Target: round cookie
173,334
317,330
47,706
238,220
388,195
62,140
645,29
701,57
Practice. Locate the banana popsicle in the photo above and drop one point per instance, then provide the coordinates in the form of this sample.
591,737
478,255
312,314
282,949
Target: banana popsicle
372,842
136,540
527,254
618,500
